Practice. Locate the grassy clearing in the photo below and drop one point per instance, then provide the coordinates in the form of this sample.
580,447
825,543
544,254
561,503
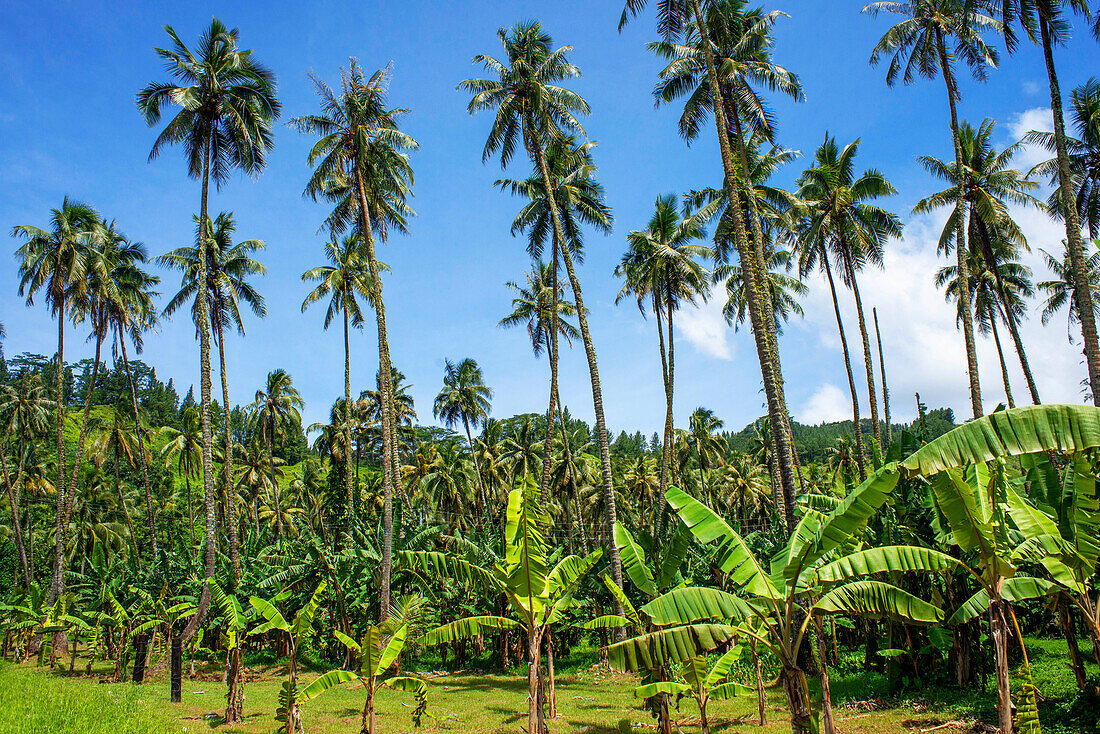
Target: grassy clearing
591,700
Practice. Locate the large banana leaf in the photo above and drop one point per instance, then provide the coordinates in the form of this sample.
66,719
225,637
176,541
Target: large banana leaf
633,560
841,524
272,616
348,642
668,687
731,689
526,567
229,605
304,619
568,572
325,682
464,629
966,508
1012,432
369,652
722,667
628,609
876,599
607,621
886,558
393,649
434,565
735,558
696,604
1014,589
668,646
675,551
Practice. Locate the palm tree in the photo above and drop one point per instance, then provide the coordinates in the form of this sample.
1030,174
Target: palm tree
998,294
662,266
1048,17
55,261
118,440
130,313
185,447
228,268
746,61
989,185
579,198
531,308
343,282
840,217
919,44
275,409
228,104
783,289
361,151
532,109
1061,291
1084,156
708,447
464,398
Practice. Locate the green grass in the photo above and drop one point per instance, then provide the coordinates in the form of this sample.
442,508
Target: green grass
590,699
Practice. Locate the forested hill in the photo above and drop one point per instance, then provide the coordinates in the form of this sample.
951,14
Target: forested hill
816,443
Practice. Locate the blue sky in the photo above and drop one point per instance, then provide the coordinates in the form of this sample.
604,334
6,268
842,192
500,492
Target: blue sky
68,125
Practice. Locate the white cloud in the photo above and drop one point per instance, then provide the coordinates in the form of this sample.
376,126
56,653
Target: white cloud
705,328
1019,125
1031,87
826,405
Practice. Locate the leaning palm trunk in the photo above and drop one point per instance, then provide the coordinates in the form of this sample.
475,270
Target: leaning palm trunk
385,397
593,370
227,473
882,371
769,365
962,269
848,368
666,438
868,364
204,392
992,316
1081,287
348,488
149,517
544,480
57,582
79,458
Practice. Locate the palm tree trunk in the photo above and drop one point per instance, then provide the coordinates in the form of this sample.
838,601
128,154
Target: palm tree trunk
548,442
57,582
122,501
17,529
149,517
882,370
204,399
669,393
1082,291
350,492
992,316
227,467
848,368
385,396
274,482
190,509
770,370
963,272
868,364
88,393
593,373
666,437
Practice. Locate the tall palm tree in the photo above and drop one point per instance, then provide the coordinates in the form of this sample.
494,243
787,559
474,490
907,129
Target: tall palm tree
783,289
662,266
532,110
361,150
130,313
343,282
749,63
274,410
708,447
227,104
1084,156
1061,291
184,446
998,294
579,199
841,217
989,186
55,261
1047,17
919,45
229,266
531,308
466,399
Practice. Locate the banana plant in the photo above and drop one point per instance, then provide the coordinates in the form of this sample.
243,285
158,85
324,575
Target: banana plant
374,661
808,579
700,683
234,623
288,715
161,616
537,594
63,619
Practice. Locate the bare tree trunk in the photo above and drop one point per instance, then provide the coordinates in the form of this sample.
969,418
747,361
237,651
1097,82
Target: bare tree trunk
57,582
962,270
868,364
992,316
348,489
88,394
885,391
149,516
848,368
227,472
1081,287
